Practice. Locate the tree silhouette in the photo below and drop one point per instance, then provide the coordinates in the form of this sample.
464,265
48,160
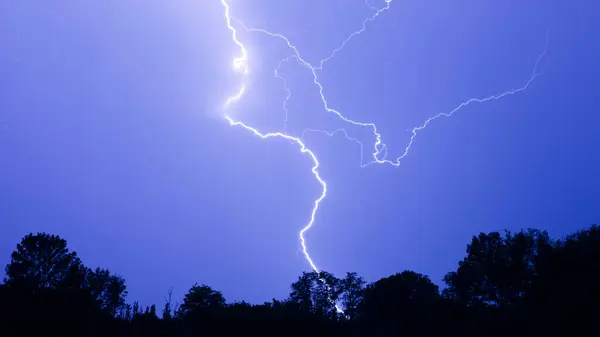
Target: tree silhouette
167,312
352,293
514,284
316,293
498,270
302,292
202,297
400,294
566,291
107,289
44,261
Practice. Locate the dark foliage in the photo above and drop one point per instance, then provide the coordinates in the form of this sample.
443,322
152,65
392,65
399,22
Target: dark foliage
509,284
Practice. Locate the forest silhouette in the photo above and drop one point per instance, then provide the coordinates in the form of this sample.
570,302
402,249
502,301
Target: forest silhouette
508,284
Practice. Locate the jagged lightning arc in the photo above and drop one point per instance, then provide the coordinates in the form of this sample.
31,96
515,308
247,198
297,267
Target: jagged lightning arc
241,63
379,148
379,153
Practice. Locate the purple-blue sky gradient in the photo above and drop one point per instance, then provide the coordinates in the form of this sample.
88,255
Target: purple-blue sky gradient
112,135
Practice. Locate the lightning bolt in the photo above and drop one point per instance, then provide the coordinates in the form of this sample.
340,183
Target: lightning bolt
379,153
287,90
379,148
315,172
421,127
240,63
358,32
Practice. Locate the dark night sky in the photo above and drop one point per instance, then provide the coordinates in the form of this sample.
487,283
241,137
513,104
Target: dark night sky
112,136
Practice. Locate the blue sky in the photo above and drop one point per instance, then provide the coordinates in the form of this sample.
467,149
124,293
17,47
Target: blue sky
112,135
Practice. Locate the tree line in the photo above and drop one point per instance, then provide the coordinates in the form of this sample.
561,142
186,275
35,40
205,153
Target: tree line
508,284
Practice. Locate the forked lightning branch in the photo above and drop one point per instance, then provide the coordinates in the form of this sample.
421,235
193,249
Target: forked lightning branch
379,148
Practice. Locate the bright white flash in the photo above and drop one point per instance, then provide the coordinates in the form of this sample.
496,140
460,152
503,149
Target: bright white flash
379,148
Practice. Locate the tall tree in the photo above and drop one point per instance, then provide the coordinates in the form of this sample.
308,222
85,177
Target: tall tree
498,270
352,293
407,294
202,297
317,293
107,289
167,312
44,261
566,289
302,292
